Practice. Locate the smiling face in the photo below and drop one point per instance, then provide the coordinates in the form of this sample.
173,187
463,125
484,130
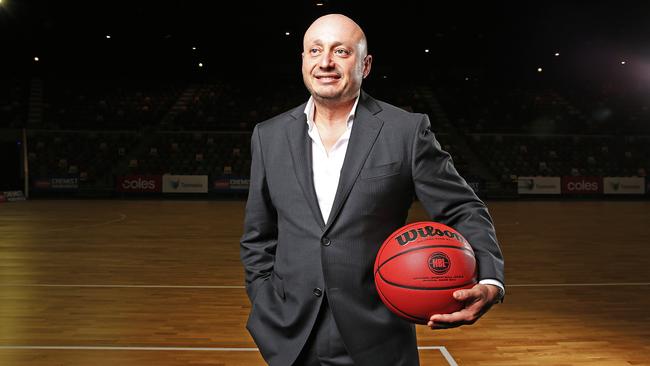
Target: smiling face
334,59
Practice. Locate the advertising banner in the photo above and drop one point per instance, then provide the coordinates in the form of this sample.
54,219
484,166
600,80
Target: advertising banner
221,184
139,184
239,184
69,183
184,183
64,183
231,184
624,185
42,183
539,185
582,185
12,196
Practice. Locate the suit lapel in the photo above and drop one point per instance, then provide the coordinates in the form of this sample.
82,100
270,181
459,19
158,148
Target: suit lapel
364,132
300,147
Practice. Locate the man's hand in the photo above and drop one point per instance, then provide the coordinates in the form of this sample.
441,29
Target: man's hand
478,300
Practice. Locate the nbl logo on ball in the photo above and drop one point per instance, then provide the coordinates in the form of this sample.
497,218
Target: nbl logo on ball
439,263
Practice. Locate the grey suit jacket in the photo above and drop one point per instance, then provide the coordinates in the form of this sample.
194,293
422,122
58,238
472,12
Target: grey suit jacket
288,250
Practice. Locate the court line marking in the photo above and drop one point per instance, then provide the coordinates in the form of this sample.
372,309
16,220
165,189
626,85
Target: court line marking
114,221
119,286
442,349
445,353
128,348
582,284
241,287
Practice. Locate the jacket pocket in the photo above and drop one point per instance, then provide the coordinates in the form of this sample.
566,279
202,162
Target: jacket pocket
278,285
381,171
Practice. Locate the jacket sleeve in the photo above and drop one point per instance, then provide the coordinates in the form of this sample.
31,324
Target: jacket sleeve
448,199
260,237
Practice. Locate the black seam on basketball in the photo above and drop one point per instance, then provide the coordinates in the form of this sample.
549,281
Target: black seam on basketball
396,308
418,248
381,250
425,288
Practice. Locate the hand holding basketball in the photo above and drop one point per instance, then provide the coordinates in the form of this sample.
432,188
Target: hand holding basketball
478,300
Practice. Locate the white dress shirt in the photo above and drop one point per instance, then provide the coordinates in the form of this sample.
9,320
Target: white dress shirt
327,167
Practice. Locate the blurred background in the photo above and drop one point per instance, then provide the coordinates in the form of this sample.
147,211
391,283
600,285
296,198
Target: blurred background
158,99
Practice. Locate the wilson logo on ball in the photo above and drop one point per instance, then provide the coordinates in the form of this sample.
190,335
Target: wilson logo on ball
426,232
439,263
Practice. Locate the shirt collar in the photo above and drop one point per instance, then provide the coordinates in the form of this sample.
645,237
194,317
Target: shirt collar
309,112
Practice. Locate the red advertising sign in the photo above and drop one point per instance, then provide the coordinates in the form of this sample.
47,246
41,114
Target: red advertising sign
221,184
139,183
42,184
582,185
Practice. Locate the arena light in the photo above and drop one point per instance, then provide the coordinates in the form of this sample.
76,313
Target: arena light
426,50
622,62
108,36
539,69
317,4
557,54
194,48
200,64
287,33
36,59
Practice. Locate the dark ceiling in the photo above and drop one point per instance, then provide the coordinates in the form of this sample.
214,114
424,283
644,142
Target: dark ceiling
488,39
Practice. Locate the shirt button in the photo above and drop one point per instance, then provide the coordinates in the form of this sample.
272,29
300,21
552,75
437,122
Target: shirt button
325,241
318,292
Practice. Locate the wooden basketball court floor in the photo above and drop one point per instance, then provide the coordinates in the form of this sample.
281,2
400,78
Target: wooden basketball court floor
160,283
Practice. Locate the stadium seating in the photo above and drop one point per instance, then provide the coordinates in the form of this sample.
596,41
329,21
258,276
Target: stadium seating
99,129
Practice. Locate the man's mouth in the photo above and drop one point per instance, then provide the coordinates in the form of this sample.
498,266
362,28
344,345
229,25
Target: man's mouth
328,77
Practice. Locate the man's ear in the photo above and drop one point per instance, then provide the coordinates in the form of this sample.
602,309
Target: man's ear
367,64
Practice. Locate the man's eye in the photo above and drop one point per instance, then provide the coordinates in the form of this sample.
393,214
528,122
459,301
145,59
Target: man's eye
342,52
314,51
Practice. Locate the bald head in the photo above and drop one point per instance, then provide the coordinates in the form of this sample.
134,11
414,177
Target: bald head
339,25
335,60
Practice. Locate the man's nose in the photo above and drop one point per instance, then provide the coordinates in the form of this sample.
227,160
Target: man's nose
326,61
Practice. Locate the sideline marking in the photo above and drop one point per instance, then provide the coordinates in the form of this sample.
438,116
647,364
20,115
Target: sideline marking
235,287
582,284
126,348
445,353
443,350
116,286
119,219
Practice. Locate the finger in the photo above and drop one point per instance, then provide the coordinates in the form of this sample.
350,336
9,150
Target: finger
435,326
464,295
445,321
467,316
450,318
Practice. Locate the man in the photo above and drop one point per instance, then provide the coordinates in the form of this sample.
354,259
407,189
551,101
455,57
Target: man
330,180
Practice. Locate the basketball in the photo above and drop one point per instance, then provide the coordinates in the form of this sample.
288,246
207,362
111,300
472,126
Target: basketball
418,268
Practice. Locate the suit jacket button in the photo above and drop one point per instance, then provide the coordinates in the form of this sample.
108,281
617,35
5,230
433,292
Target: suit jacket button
318,292
325,241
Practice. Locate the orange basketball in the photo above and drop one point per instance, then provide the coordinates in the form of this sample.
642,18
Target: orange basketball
419,267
